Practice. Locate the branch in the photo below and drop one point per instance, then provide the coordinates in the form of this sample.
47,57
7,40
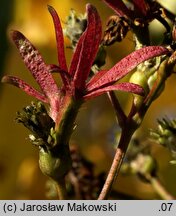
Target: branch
160,189
118,159
121,117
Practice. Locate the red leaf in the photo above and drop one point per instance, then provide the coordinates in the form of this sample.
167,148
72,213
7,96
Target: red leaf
141,7
127,87
25,87
119,7
76,56
123,67
89,47
59,38
96,77
34,62
60,43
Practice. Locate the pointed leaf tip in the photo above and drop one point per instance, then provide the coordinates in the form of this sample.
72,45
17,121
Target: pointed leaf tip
90,7
17,37
15,34
119,7
4,79
50,8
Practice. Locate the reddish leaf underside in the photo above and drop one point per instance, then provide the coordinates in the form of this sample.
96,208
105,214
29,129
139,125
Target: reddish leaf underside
89,48
34,62
25,87
123,67
127,87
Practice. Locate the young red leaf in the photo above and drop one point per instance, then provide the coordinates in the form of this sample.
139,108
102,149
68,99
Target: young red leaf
25,87
59,38
127,64
76,56
127,87
89,47
119,7
60,44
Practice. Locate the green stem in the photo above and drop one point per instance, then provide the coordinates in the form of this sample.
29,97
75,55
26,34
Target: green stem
61,189
66,119
55,160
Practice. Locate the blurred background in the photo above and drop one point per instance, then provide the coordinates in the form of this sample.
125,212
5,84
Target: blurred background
20,177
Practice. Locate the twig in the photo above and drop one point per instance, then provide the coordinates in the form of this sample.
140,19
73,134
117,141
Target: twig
128,128
160,189
111,175
116,164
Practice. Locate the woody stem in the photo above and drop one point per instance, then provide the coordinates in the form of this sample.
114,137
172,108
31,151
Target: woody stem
117,161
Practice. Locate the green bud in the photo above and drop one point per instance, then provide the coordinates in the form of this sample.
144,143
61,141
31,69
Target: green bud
139,78
162,140
55,166
166,135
